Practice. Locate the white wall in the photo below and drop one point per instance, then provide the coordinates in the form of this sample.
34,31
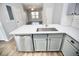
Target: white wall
57,13
66,19
19,14
2,33
10,25
52,13
26,16
47,13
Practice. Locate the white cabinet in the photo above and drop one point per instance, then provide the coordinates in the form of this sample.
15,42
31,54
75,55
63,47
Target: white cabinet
54,42
68,49
40,41
24,43
73,9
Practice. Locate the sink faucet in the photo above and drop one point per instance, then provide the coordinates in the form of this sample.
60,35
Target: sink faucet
46,25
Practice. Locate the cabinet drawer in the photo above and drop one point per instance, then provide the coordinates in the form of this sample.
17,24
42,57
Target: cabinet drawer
72,41
55,35
40,36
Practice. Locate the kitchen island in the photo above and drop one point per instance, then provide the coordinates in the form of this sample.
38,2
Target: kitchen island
28,38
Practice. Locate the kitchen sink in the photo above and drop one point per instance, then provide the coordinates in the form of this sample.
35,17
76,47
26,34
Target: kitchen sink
46,29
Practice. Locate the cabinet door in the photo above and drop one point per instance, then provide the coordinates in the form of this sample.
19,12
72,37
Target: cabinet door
68,49
40,42
54,44
40,45
19,43
24,43
77,9
28,43
71,8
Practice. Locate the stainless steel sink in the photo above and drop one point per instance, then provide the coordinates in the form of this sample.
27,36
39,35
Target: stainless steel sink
46,29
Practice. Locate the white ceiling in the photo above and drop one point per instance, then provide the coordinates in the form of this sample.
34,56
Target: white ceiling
32,5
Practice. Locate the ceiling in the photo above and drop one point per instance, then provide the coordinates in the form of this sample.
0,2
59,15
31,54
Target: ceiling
29,6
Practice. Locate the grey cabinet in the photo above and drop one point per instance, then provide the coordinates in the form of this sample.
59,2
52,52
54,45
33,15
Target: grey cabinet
40,41
68,49
54,42
77,9
28,43
24,43
73,9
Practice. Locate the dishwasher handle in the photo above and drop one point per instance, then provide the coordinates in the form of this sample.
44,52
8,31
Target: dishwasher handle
77,53
72,41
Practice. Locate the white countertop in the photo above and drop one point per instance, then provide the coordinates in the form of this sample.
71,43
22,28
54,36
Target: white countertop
32,29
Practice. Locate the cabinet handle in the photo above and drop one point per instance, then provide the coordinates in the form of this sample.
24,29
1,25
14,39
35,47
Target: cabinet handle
17,21
72,41
75,13
49,39
77,55
77,52
72,13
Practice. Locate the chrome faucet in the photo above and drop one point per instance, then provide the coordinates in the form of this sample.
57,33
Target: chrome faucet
46,25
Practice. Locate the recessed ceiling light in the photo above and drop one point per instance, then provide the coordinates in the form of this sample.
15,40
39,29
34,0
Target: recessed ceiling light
32,8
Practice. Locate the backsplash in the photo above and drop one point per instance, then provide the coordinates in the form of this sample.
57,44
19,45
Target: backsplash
75,21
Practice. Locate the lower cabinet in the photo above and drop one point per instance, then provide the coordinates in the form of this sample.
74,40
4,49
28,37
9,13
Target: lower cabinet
49,42
24,43
40,45
40,41
54,42
68,49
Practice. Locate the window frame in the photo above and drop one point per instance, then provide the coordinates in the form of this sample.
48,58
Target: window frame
35,14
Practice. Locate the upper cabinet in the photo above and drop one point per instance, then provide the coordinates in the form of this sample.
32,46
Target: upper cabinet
77,9
73,9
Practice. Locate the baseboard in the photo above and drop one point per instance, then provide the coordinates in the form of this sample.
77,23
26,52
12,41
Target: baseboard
9,38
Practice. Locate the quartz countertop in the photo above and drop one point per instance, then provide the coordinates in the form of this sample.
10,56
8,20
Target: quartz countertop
32,29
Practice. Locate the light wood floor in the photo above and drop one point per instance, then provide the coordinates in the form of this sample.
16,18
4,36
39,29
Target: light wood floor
9,49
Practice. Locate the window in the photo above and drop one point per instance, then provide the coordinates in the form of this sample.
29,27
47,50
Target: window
35,15
10,12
